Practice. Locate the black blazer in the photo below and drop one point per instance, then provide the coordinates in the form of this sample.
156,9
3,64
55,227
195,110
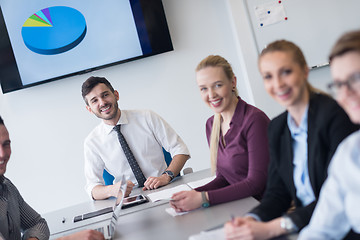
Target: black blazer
328,125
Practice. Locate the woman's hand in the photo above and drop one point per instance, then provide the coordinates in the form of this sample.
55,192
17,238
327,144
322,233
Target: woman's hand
249,229
186,200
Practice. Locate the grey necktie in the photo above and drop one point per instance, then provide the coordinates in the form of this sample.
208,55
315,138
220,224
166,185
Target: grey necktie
130,157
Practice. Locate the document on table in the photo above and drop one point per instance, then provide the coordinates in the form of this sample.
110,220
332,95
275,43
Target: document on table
173,213
217,234
167,193
201,182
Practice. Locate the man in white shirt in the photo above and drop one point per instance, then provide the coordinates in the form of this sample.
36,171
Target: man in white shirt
145,132
337,211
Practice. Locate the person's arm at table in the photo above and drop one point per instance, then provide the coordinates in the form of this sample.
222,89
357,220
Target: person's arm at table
177,163
32,224
189,200
248,228
101,192
172,143
94,168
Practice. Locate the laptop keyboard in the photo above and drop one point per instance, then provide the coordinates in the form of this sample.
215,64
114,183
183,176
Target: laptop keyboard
93,214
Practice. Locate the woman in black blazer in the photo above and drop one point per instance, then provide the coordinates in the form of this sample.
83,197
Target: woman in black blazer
302,141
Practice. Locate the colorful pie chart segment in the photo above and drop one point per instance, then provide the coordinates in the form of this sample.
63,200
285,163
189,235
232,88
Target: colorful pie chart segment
54,30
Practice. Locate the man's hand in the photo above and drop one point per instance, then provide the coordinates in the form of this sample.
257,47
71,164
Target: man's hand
129,188
101,192
155,182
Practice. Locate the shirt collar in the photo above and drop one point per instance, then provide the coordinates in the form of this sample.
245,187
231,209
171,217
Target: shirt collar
238,111
303,127
122,120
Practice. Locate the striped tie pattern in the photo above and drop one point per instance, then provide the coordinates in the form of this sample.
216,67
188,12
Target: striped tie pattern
130,157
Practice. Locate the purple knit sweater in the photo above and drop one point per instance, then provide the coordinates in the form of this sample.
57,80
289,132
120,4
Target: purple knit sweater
241,165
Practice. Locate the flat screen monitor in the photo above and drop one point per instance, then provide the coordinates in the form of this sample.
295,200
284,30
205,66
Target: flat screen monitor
42,41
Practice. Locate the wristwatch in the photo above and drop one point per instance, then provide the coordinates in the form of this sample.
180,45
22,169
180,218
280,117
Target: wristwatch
205,202
287,224
170,174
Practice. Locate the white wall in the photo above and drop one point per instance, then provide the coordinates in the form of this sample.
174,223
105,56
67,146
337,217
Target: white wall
48,123
247,53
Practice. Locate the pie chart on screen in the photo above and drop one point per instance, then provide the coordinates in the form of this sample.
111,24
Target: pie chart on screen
54,30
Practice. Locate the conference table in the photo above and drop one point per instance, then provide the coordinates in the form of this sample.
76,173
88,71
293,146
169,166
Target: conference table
151,220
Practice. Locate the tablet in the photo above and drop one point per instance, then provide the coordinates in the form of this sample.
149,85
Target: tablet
134,200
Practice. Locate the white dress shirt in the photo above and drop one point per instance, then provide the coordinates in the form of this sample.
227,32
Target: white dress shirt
145,132
337,210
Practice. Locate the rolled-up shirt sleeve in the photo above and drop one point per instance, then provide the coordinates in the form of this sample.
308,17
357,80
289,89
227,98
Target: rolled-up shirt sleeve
166,135
93,168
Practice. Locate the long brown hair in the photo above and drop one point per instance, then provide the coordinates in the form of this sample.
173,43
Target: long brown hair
295,51
216,61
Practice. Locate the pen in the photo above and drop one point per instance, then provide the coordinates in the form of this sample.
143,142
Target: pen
232,218
165,199
319,65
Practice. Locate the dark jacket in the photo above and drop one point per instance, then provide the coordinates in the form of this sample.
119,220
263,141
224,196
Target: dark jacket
328,125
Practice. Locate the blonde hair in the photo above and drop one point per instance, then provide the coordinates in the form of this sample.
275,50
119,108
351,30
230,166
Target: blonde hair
297,54
216,61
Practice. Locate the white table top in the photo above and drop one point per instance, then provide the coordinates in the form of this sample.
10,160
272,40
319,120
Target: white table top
150,220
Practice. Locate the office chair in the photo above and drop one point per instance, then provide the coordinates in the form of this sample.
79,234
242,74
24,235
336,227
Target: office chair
109,179
168,161
167,156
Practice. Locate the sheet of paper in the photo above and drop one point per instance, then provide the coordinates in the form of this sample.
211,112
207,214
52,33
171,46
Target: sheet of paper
167,193
217,234
173,213
201,182
270,13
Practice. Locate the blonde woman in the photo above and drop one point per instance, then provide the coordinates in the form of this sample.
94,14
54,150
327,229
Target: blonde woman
237,135
302,141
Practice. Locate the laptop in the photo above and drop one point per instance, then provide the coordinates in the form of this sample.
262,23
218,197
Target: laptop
99,220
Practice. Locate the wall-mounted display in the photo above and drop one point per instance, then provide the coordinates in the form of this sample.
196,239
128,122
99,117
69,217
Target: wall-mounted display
42,41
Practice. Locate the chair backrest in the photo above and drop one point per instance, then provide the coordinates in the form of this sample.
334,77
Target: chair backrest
167,156
109,179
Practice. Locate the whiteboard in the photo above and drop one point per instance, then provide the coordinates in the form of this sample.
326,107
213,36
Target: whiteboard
314,25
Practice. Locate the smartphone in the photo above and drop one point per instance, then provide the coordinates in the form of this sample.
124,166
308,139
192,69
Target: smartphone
134,200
